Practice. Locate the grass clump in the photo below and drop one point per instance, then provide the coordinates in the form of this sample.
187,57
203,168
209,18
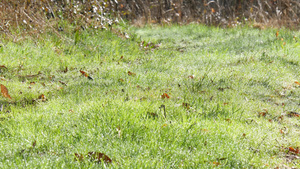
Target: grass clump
171,97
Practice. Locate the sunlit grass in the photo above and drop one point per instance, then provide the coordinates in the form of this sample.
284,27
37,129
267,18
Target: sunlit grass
220,83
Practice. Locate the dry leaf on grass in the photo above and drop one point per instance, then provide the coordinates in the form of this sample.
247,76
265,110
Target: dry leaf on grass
98,157
165,95
4,92
131,73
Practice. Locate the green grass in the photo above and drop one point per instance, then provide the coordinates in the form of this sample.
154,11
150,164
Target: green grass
237,74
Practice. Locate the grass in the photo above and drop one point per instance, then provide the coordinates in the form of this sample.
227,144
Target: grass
231,91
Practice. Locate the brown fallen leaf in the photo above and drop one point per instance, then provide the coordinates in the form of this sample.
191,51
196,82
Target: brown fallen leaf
186,105
131,73
66,70
3,67
62,83
294,150
215,163
83,73
293,114
99,157
263,114
86,74
78,157
165,95
228,120
33,143
4,92
42,98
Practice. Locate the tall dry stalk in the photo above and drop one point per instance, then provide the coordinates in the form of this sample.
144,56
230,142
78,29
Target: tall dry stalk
33,16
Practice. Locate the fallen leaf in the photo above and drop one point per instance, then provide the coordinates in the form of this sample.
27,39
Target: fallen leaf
33,143
4,92
86,74
66,70
63,83
98,157
121,57
215,163
293,114
213,10
42,98
78,157
32,83
131,73
277,34
186,105
191,77
244,135
164,125
297,83
121,80
296,151
228,120
263,114
3,67
280,117
83,73
165,95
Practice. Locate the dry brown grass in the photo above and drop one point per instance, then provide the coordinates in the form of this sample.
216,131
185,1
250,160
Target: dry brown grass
32,17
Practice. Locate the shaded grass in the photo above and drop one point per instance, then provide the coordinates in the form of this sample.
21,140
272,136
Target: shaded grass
237,74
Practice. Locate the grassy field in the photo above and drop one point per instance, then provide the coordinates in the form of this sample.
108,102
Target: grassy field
167,97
